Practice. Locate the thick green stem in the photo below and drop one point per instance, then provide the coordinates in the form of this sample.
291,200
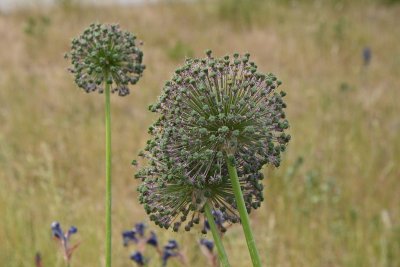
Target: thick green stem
108,177
217,238
244,217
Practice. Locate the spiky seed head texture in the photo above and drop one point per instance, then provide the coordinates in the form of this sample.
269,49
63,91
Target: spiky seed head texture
102,54
213,110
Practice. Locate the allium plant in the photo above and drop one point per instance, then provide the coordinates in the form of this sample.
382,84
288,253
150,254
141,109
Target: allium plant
105,55
220,121
63,239
107,60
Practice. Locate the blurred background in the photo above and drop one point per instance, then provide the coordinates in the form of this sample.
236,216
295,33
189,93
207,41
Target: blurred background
333,202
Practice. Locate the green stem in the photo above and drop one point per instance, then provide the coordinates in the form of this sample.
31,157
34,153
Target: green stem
108,177
244,217
217,238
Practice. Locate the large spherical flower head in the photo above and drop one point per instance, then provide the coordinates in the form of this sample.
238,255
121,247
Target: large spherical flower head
212,110
106,54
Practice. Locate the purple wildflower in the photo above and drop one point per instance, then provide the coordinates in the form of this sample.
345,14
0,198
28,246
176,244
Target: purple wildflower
138,258
152,240
128,237
207,244
140,227
64,239
367,55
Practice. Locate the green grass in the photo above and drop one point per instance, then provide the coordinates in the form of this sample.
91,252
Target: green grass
339,207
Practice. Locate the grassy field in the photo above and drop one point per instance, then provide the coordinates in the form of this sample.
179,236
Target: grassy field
335,201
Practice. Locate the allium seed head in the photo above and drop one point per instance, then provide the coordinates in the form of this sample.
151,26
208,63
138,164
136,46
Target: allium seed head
213,110
106,54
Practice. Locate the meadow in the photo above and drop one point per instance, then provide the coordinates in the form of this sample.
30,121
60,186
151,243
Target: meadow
333,202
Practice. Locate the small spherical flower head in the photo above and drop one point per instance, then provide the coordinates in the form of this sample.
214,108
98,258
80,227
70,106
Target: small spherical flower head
105,54
213,110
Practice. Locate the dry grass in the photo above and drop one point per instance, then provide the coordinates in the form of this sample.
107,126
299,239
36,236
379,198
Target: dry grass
339,208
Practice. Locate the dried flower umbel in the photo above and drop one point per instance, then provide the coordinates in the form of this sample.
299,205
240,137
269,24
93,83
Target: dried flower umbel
216,115
106,59
106,54
211,108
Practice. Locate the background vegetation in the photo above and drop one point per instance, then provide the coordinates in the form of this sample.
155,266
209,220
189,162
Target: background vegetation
334,202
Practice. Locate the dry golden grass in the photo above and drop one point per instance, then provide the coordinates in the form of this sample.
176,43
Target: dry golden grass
339,208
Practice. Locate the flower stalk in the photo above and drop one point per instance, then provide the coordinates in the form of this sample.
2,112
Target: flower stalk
223,258
244,217
107,60
108,175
